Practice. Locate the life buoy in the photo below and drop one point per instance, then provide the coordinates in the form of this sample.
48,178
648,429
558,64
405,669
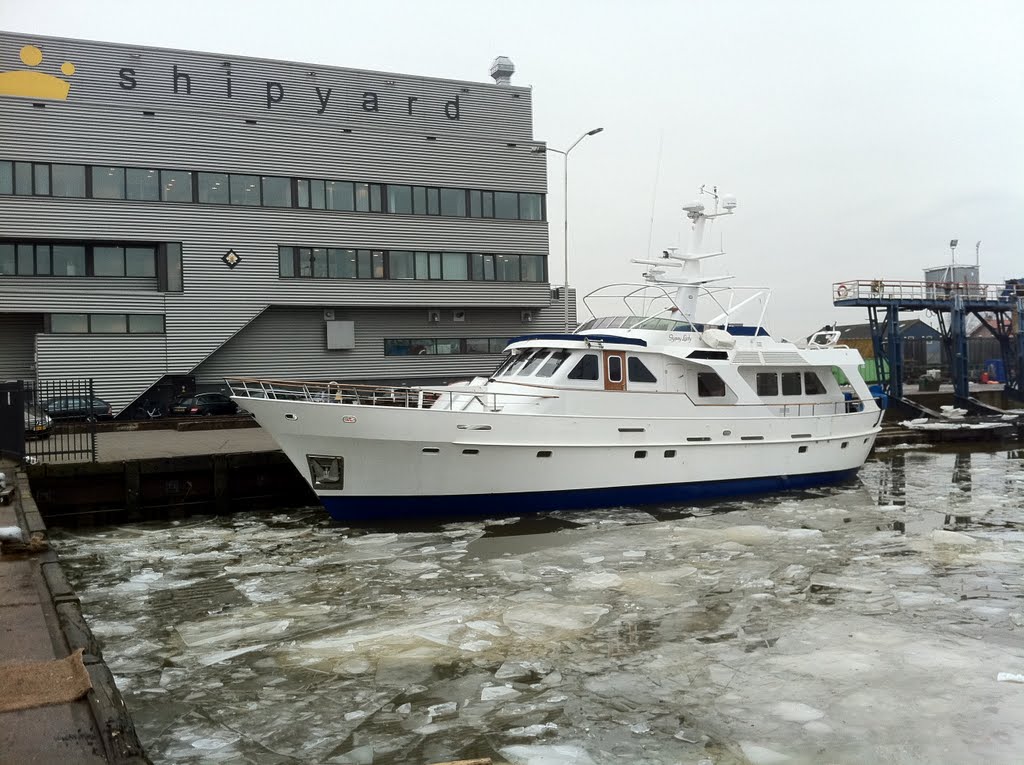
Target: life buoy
842,291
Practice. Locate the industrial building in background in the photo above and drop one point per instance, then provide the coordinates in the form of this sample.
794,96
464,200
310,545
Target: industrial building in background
169,217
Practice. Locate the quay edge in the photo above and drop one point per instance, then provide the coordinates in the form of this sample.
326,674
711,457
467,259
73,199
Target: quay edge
43,620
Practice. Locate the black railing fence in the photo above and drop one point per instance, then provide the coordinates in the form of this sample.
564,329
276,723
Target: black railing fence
60,420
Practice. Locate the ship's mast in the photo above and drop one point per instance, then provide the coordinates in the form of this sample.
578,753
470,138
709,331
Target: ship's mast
689,279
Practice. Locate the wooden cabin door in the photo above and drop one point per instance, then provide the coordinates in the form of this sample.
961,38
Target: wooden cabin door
614,370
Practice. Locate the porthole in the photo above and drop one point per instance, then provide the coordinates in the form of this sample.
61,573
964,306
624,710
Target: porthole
543,454
639,455
430,450
470,451
802,449
669,453
845,444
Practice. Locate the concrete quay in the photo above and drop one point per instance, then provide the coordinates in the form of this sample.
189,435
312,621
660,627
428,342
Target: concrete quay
41,620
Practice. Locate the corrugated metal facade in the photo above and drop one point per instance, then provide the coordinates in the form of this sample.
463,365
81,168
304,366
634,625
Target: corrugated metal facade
18,340
298,131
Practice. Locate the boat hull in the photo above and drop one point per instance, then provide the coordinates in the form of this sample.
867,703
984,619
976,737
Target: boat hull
368,508
409,462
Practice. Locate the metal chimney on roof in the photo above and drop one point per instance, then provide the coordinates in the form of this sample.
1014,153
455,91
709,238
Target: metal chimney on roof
502,70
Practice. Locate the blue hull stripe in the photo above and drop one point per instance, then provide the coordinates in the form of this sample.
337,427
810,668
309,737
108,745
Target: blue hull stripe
371,508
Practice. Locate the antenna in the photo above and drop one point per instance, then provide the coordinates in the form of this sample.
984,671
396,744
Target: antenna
654,193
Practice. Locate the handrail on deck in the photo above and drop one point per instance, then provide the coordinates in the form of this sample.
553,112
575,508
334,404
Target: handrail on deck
423,397
892,289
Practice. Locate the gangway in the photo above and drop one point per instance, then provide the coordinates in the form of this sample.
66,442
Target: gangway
999,307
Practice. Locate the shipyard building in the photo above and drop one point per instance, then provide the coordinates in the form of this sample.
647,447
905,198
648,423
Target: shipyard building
171,217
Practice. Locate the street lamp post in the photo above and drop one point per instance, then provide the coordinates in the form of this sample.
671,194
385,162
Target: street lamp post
565,216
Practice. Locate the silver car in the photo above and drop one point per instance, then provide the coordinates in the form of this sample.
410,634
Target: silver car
37,422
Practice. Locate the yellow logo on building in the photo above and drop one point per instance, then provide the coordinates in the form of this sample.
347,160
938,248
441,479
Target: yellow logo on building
36,84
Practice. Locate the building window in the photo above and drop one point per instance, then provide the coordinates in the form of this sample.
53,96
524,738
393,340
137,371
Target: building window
6,177
454,266
400,200
532,268
506,205
58,259
150,184
69,322
106,323
108,183
108,261
401,264
445,346
213,188
41,180
143,184
68,180
245,190
68,260
453,202
531,207
176,185
341,263
145,324
277,192
124,261
482,266
169,273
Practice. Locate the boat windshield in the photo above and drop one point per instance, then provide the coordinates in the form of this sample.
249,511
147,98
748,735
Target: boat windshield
637,322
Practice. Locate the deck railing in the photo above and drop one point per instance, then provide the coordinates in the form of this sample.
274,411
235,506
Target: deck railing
373,395
888,289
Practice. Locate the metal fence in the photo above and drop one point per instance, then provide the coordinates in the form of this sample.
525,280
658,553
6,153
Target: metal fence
60,420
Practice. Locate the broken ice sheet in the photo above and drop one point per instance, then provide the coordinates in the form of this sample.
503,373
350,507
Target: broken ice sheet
691,627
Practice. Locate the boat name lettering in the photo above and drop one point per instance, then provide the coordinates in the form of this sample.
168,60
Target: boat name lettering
674,338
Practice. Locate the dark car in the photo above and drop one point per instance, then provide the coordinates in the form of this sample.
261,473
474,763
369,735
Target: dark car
37,423
78,408
203,404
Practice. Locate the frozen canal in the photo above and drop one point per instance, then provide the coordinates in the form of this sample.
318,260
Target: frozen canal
881,622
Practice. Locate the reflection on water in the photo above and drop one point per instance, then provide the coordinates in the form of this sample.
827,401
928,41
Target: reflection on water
825,626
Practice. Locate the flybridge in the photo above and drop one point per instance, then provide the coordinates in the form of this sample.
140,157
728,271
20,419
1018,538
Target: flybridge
321,98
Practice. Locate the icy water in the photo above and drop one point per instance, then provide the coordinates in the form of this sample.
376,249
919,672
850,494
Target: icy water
879,622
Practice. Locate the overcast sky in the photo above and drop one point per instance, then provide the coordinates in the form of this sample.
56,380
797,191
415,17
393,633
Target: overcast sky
858,137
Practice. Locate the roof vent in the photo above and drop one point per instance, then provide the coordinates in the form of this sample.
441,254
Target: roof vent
502,70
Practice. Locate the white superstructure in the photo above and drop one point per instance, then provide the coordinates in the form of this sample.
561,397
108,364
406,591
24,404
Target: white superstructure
667,399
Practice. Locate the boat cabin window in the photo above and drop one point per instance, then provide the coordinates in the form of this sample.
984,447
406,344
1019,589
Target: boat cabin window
586,368
554,361
638,372
791,384
767,384
813,386
534,362
512,359
615,369
710,385
520,361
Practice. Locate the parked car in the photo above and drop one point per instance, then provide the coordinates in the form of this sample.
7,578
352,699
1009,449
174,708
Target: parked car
37,423
78,408
203,404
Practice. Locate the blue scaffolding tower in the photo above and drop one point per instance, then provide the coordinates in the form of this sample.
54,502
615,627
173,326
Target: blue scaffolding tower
1000,308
